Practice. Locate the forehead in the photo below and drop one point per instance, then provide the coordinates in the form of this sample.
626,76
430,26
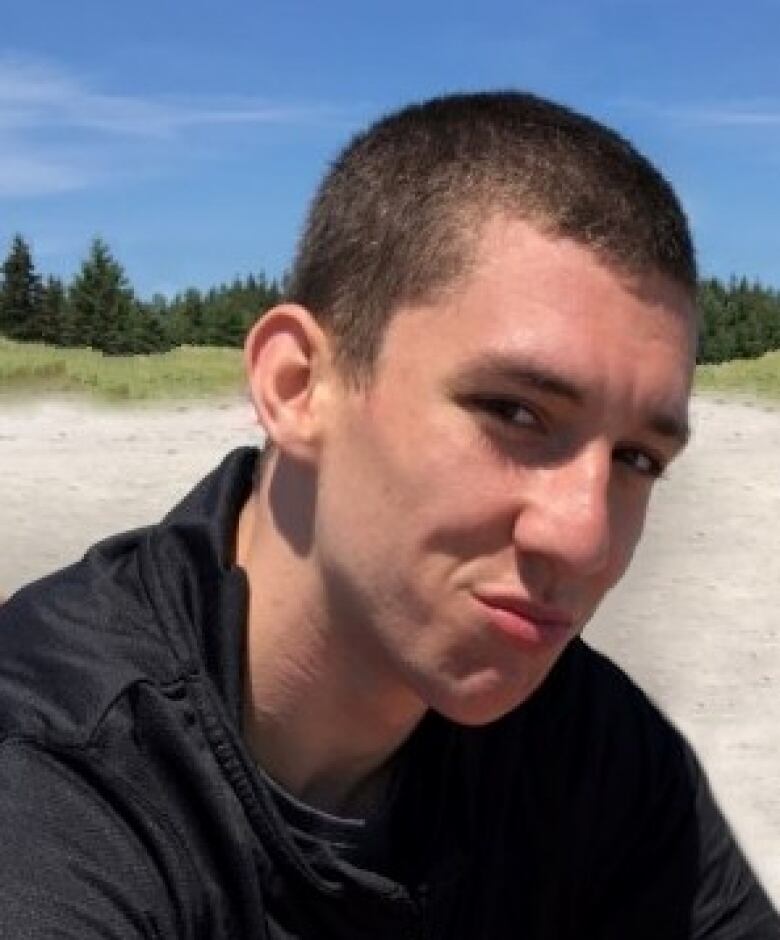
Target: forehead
549,300
520,253
520,277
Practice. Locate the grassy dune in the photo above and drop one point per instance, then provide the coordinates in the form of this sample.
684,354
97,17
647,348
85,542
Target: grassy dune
758,378
186,372
203,372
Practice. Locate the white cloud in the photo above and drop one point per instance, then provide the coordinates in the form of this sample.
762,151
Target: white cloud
732,116
59,133
37,95
758,113
30,175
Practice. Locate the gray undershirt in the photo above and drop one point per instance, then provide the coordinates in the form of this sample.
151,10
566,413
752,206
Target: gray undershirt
362,842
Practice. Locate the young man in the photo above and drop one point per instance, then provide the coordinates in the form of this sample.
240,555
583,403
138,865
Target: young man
339,692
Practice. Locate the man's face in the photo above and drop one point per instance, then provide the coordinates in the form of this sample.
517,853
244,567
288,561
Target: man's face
480,497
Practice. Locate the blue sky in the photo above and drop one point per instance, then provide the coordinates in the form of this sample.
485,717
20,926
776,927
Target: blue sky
190,135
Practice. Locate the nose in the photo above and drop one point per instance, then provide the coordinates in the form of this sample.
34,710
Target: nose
565,513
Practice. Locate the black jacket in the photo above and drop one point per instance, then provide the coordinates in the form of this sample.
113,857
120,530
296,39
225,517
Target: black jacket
129,806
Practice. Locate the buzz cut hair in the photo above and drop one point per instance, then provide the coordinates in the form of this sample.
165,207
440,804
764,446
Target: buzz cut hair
398,216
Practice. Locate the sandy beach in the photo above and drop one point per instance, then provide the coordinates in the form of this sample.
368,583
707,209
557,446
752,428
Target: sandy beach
696,621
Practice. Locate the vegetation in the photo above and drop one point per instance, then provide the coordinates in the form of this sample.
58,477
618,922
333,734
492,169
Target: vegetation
99,308
21,295
753,377
95,333
739,320
101,311
192,371
185,372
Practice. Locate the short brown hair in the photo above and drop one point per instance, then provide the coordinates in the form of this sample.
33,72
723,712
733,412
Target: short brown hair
397,217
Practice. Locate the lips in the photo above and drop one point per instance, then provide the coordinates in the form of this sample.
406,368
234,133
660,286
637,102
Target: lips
524,622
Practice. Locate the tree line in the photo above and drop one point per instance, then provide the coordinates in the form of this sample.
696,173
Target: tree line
740,320
99,308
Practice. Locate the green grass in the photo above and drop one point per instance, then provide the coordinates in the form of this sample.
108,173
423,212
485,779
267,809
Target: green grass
205,372
759,378
186,372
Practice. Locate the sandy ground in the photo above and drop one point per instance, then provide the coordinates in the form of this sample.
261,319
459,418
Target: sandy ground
696,621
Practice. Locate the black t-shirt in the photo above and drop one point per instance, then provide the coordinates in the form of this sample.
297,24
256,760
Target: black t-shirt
130,807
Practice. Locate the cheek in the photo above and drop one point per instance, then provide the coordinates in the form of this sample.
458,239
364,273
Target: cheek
368,498
414,488
629,515
425,463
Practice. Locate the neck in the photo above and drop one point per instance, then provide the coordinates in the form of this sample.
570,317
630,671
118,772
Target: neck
321,716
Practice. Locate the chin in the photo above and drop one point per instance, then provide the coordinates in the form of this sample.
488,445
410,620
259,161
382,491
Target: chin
475,702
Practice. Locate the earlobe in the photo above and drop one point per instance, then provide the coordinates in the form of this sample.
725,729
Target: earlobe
286,355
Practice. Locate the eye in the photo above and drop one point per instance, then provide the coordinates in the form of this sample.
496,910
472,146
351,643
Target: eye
508,412
641,461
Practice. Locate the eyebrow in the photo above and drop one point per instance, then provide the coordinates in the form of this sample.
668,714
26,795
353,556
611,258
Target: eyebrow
515,371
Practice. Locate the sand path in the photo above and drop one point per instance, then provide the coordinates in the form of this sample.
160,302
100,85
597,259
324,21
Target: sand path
697,620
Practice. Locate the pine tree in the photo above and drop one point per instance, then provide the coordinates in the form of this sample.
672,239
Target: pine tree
150,330
55,327
21,294
102,303
186,314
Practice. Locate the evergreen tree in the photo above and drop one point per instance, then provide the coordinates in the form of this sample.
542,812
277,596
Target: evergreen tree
102,303
221,316
55,326
186,314
149,330
740,320
21,294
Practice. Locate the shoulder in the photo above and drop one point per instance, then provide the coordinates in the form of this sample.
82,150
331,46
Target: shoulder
107,776
600,788
139,607
70,864
72,642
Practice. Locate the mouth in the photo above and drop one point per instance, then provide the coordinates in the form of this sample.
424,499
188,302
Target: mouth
534,626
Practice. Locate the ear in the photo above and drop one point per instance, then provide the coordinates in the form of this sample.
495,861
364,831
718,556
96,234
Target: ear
287,359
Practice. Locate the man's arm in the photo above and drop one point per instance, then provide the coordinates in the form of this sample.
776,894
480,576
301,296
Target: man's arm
685,856
69,866
622,807
730,903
